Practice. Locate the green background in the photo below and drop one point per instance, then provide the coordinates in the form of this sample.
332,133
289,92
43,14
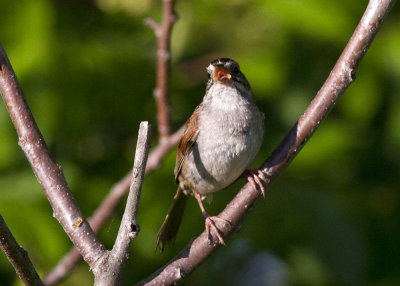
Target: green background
87,69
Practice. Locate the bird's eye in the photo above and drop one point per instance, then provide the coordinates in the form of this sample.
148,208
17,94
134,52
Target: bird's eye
236,70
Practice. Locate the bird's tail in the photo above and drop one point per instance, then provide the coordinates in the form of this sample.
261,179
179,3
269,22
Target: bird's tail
170,226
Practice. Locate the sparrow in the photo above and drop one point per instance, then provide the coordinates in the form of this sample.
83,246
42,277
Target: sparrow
220,140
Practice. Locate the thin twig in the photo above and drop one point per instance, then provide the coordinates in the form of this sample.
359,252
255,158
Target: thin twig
342,75
107,207
129,228
163,33
154,25
18,257
48,173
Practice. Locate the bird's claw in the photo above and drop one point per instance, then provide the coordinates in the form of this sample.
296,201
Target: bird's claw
256,178
210,224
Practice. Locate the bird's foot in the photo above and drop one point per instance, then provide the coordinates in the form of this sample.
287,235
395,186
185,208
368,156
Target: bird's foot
257,178
210,225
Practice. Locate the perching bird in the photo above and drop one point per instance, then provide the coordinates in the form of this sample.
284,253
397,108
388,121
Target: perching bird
220,140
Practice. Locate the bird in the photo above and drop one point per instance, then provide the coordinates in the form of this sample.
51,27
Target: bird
219,142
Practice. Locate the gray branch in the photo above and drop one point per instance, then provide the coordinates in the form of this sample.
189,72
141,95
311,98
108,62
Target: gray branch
50,176
107,207
112,264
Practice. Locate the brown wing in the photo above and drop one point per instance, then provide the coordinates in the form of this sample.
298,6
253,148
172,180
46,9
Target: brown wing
185,144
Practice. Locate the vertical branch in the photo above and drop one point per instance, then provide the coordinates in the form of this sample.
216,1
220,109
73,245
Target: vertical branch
17,256
129,227
163,33
48,173
107,207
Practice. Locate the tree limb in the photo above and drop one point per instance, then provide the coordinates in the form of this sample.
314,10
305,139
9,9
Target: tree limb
342,75
50,176
18,256
48,173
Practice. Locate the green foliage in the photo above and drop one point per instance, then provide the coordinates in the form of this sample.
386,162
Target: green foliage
87,69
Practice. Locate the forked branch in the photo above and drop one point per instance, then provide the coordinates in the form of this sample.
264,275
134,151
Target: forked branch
51,178
107,207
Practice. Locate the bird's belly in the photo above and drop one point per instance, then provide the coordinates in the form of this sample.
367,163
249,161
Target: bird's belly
218,163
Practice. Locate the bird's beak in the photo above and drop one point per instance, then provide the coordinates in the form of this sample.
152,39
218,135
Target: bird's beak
221,74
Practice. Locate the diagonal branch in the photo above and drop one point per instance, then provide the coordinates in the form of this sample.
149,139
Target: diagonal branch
18,257
48,173
50,176
342,75
163,33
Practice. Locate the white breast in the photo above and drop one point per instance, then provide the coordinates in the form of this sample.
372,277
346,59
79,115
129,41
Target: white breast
230,136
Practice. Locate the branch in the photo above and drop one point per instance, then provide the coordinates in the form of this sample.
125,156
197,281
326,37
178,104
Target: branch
48,173
163,33
56,189
17,256
110,202
114,262
342,75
